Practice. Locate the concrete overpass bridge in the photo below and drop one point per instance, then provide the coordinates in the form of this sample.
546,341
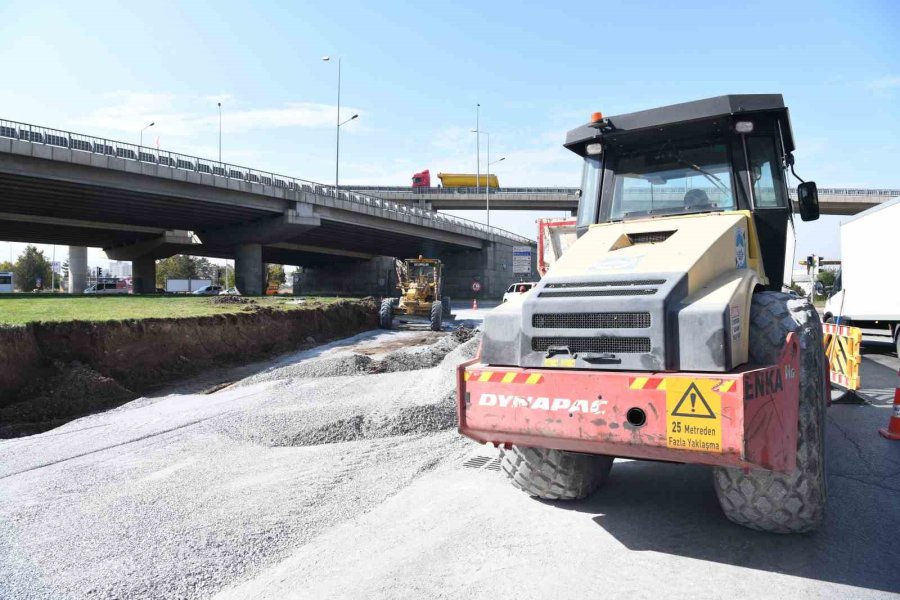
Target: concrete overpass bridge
142,204
832,201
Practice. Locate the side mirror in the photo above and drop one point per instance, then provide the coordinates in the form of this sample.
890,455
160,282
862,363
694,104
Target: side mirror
808,200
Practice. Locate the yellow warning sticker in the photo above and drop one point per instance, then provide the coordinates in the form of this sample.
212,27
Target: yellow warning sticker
693,415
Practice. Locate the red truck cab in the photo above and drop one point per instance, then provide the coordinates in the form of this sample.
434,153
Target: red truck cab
421,180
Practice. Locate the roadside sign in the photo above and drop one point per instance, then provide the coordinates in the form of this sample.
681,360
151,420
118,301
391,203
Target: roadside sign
54,266
476,286
521,259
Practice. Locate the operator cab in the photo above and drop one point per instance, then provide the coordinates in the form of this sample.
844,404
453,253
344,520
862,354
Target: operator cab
720,154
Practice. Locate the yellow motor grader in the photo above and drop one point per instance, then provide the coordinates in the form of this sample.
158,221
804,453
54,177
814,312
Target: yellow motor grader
419,281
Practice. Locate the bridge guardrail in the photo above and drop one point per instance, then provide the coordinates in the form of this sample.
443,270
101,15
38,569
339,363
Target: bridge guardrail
35,134
573,191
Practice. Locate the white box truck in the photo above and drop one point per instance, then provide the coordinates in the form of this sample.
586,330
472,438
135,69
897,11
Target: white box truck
866,292
185,286
6,282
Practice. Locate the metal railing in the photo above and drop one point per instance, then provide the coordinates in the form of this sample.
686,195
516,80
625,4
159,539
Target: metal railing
467,190
574,191
35,134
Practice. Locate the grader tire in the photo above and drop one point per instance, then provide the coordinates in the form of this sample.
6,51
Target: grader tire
437,312
386,314
555,474
780,502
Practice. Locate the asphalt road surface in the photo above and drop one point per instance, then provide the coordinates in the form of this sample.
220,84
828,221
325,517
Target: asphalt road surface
307,479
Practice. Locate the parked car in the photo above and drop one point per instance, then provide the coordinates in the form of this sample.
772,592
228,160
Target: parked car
232,291
106,289
517,289
208,290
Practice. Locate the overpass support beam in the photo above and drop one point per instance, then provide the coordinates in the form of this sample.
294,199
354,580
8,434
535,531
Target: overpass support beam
491,267
249,275
77,269
374,277
143,275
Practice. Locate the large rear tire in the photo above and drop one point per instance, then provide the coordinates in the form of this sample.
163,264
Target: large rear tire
555,474
386,314
781,502
437,313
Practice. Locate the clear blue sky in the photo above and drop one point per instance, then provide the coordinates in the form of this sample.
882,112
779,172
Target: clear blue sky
415,71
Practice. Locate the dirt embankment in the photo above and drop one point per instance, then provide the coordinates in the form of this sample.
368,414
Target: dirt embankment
52,372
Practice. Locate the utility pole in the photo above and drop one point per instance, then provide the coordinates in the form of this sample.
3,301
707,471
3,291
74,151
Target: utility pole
477,147
220,134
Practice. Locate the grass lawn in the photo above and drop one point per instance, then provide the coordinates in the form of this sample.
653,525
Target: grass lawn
20,309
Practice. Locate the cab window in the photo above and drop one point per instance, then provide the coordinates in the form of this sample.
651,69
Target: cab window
765,169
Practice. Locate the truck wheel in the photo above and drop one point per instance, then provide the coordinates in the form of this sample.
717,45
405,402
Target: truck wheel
780,502
555,474
386,314
437,312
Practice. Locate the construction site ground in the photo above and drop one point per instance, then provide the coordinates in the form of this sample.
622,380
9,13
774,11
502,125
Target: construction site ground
336,472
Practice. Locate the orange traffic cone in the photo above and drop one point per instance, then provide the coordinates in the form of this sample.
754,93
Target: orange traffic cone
892,432
474,304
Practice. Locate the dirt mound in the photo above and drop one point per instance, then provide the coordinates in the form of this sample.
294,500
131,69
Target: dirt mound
74,390
218,300
56,371
463,334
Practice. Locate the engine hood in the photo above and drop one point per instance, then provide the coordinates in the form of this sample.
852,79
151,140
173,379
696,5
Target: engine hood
627,296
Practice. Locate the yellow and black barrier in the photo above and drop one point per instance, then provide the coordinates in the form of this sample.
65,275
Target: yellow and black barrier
842,351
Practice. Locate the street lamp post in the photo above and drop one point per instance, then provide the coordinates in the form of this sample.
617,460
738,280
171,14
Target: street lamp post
487,183
477,147
220,138
142,132
487,198
337,143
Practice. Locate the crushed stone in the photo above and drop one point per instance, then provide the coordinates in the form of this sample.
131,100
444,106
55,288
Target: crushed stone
185,495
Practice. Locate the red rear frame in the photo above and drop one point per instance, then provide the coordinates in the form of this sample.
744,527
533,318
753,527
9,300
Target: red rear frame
746,418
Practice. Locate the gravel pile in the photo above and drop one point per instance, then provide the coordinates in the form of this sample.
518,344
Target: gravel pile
188,494
336,366
397,401
406,359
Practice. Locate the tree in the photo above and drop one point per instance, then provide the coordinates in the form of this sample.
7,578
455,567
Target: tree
182,266
206,269
179,266
7,266
31,267
275,275
826,277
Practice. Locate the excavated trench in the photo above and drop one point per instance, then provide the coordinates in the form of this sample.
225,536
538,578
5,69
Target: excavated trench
51,373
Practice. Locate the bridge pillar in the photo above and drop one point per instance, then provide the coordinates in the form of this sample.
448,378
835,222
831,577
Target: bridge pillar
492,267
77,269
249,275
143,275
374,277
